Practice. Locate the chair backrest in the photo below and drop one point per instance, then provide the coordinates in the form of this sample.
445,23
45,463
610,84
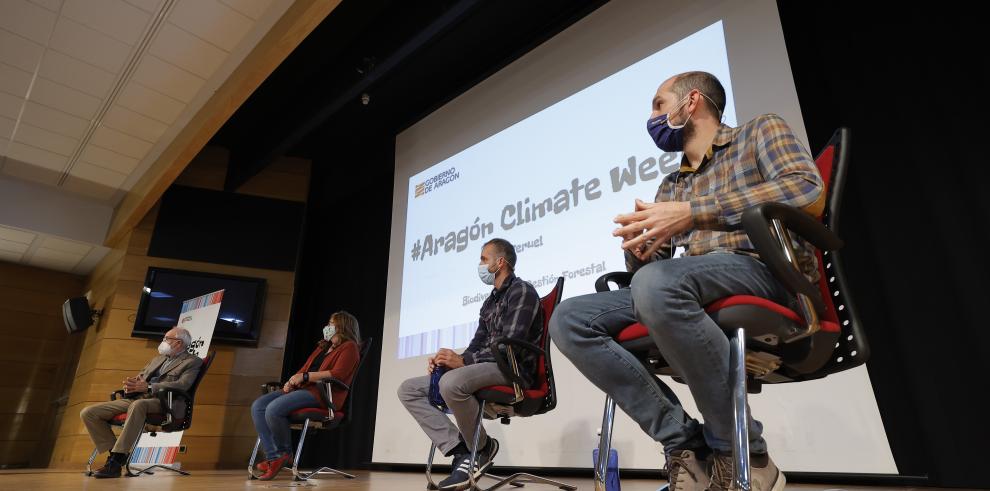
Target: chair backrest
544,369
184,421
207,361
852,348
365,349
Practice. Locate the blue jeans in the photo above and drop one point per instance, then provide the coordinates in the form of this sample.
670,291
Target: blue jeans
270,413
668,297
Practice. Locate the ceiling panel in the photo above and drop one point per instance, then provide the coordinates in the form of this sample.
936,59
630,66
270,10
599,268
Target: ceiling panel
13,80
10,106
146,5
168,79
54,120
187,51
64,98
132,123
19,52
37,156
17,235
122,143
115,18
52,5
14,247
27,20
42,138
213,21
153,104
108,159
67,246
77,74
254,9
99,175
6,128
50,258
89,45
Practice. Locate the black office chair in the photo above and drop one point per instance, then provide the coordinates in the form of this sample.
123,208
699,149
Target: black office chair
317,419
770,343
177,416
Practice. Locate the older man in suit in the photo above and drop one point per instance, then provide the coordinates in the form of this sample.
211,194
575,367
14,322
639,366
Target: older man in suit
173,368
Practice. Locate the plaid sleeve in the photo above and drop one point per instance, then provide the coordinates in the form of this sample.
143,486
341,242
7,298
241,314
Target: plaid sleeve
789,173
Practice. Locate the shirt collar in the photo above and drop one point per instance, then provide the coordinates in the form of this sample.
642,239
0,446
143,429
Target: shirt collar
505,285
723,137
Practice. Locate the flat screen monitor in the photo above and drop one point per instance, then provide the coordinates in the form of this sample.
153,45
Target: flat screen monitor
164,291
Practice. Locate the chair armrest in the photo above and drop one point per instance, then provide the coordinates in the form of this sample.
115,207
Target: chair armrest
175,393
768,226
167,398
326,385
526,345
507,363
621,278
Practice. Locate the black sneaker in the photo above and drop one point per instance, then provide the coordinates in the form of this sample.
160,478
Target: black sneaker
111,470
460,476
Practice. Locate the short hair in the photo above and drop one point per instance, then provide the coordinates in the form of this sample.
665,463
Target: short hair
184,335
706,83
505,249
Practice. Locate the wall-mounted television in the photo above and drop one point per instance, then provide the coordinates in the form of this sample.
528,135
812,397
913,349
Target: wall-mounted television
164,291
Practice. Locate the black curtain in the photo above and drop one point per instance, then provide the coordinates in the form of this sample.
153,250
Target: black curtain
908,81
343,266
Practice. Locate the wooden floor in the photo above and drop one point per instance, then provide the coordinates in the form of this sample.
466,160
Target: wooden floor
59,480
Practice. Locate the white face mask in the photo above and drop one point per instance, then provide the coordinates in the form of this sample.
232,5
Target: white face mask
164,348
329,331
487,277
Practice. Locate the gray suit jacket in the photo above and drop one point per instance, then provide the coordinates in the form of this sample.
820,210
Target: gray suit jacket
179,375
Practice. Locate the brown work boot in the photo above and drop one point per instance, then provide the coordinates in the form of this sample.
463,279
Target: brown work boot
685,472
764,474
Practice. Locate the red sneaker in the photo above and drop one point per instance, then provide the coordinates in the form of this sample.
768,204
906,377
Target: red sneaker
274,466
263,466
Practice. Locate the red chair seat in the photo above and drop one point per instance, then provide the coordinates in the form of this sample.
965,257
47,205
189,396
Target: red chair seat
528,394
637,330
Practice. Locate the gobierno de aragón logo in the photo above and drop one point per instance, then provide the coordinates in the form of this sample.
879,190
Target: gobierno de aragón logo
442,179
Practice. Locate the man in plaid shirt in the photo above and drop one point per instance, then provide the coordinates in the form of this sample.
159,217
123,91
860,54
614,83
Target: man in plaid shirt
723,172
512,310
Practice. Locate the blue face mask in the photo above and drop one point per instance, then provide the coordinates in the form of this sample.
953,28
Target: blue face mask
669,138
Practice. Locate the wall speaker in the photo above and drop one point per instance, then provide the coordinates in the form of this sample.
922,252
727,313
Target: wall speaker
77,314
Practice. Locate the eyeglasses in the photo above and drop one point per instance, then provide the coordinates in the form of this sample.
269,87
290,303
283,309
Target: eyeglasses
167,338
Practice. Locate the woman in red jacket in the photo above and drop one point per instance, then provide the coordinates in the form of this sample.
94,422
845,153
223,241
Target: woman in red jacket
336,356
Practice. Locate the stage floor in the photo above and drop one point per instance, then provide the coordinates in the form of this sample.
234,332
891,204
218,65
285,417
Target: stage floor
59,480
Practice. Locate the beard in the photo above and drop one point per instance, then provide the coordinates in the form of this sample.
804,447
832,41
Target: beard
689,131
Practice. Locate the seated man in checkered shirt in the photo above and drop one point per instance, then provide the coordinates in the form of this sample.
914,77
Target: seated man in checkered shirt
512,310
723,172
